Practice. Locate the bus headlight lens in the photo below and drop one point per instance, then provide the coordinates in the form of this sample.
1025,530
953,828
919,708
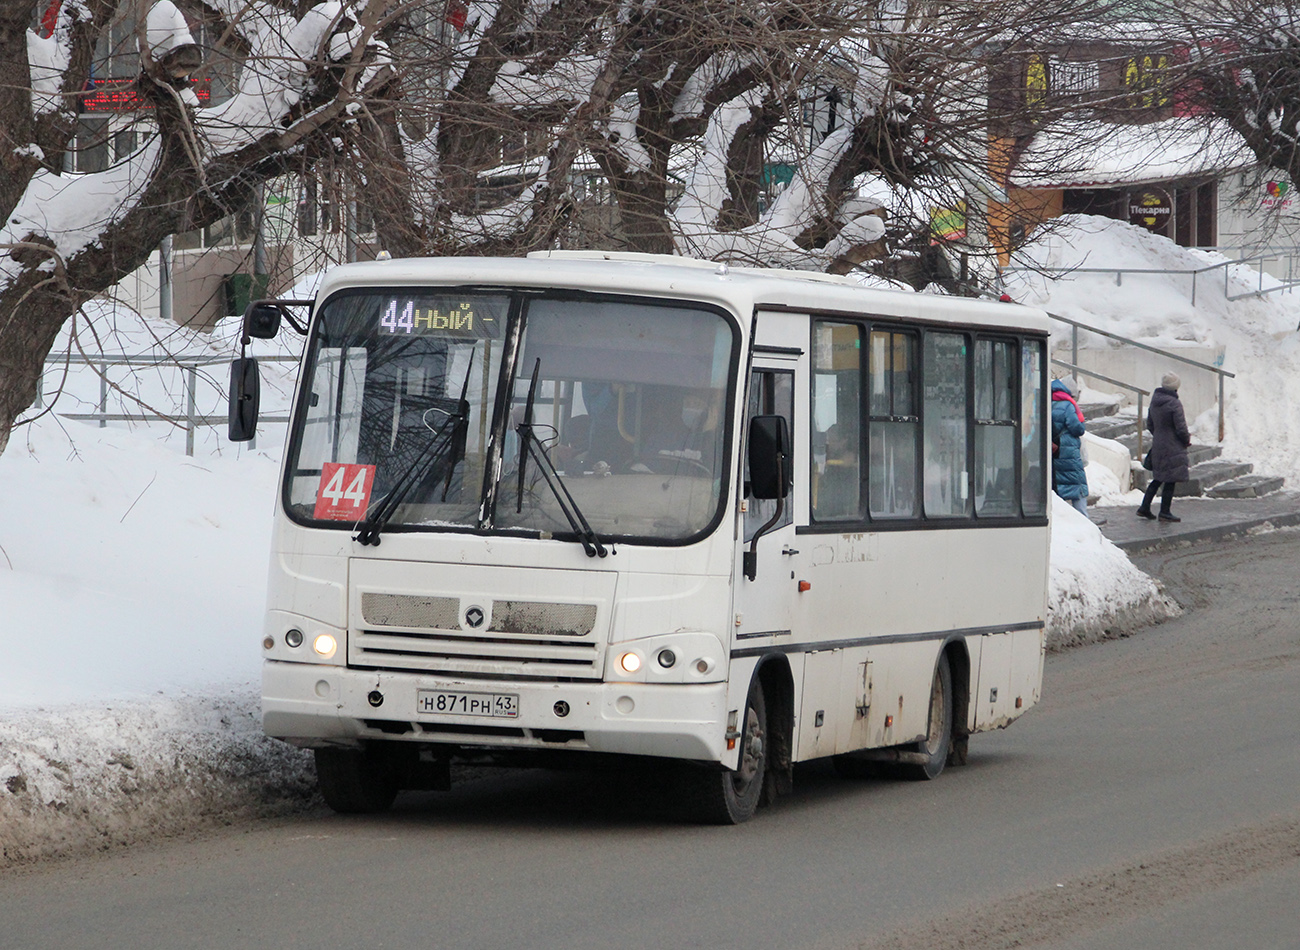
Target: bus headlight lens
630,662
325,645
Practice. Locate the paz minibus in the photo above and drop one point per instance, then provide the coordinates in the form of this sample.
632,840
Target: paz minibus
708,519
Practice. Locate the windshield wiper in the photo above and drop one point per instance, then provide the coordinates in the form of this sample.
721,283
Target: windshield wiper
530,443
447,445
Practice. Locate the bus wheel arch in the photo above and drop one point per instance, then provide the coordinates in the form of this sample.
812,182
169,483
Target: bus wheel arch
960,668
774,675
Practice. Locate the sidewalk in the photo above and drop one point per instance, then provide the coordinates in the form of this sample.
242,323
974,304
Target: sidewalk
1204,519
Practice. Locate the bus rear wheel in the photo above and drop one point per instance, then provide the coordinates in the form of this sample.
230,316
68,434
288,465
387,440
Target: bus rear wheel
354,782
938,740
918,761
729,797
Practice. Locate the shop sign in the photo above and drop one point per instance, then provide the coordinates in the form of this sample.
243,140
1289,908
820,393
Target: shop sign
1150,208
121,95
948,224
1277,196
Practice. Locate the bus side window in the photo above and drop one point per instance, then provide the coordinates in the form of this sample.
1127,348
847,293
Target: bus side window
947,483
1033,481
996,368
770,393
836,488
893,423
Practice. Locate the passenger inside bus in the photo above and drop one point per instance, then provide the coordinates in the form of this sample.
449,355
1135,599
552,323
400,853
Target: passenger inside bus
682,435
839,487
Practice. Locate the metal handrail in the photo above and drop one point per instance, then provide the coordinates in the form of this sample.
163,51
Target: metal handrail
1141,393
1076,326
189,364
1119,272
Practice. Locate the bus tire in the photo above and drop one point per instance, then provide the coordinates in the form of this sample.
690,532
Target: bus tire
938,741
727,797
355,782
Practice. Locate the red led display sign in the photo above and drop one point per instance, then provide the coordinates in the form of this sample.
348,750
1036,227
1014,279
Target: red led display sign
120,95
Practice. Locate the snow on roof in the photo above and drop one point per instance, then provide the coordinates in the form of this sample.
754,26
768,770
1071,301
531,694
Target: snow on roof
1095,154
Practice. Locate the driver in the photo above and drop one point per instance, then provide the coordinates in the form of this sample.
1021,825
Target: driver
684,436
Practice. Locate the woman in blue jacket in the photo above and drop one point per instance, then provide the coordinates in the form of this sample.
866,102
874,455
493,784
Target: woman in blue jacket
1068,477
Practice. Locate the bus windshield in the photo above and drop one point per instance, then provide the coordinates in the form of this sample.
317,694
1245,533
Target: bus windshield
417,413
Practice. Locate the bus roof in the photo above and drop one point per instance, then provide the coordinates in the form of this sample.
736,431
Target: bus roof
739,289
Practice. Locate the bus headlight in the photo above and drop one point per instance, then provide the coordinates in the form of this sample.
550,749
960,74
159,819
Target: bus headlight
325,645
685,656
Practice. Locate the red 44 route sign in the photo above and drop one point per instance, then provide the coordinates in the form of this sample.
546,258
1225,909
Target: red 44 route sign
344,491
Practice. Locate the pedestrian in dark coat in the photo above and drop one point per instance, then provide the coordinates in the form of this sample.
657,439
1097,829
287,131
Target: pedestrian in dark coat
1069,480
1169,442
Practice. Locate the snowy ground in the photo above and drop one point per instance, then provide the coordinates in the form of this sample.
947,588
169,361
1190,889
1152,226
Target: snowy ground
132,578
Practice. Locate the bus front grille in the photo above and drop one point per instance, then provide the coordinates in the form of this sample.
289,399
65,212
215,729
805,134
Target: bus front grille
468,634
486,654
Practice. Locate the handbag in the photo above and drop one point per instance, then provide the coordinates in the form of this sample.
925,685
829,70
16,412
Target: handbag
1146,462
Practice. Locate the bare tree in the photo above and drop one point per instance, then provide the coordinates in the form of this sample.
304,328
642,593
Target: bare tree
471,126
68,237
1242,66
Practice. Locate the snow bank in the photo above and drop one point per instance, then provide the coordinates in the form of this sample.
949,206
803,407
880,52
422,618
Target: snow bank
94,776
1094,591
125,567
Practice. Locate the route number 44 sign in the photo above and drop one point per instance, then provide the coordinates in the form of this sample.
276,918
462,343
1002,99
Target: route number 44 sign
344,492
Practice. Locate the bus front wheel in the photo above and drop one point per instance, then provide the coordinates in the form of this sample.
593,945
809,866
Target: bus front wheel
726,797
355,782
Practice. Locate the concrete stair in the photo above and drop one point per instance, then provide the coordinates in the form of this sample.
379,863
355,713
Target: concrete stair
1211,476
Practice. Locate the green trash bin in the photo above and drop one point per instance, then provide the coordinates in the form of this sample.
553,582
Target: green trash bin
241,289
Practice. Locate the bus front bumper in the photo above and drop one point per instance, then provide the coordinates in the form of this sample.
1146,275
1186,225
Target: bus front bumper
310,705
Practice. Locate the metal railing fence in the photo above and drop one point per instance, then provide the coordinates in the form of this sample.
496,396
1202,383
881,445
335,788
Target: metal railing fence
1290,255
187,364
1076,326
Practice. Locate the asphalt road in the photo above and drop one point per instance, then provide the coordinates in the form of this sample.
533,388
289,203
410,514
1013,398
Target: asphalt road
1151,801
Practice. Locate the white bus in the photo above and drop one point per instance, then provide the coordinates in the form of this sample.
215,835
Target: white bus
710,519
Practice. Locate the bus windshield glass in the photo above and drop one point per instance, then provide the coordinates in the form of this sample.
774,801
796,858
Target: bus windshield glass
628,419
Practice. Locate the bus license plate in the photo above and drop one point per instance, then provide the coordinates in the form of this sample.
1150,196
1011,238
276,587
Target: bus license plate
494,705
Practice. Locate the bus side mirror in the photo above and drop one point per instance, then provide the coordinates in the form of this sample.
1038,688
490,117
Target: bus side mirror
245,393
770,474
262,320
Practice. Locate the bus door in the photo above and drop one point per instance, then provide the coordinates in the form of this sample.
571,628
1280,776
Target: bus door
764,605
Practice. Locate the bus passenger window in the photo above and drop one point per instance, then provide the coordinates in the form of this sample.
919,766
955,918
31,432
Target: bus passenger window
893,424
947,485
995,428
1033,481
836,476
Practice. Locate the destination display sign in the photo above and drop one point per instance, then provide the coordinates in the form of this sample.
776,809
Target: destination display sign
440,316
